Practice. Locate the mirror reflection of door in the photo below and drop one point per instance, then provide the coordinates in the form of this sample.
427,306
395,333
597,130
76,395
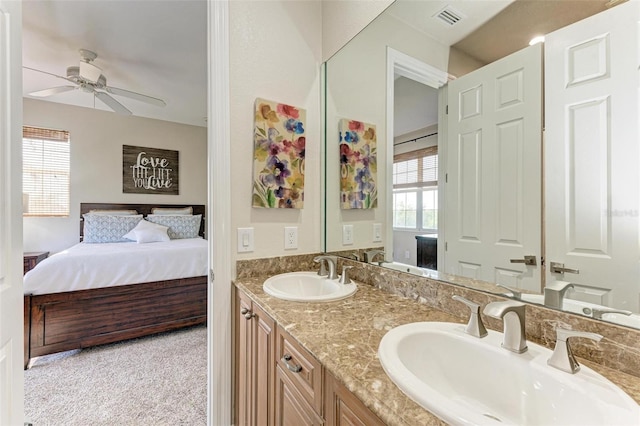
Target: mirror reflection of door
415,173
591,157
493,189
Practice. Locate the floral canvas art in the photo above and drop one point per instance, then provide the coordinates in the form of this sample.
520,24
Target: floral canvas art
278,165
358,165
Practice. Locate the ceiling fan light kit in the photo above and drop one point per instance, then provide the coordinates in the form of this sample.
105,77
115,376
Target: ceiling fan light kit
89,78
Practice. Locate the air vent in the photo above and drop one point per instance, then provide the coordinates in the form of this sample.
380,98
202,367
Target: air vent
449,16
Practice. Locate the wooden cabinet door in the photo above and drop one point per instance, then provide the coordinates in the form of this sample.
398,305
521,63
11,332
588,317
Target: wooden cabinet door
291,408
342,408
263,366
255,364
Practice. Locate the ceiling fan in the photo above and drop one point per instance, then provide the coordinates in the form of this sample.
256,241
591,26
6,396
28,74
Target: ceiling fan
89,78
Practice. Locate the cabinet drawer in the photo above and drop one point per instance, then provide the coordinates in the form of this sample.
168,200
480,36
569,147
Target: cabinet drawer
304,371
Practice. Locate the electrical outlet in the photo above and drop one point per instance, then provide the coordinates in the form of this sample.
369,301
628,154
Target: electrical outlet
377,232
245,240
290,237
347,234
407,255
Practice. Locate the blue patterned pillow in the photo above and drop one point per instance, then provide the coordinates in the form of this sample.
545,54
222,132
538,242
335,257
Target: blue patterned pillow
101,228
180,226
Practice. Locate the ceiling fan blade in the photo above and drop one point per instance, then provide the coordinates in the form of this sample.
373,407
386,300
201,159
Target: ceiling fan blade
52,91
49,73
112,103
137,96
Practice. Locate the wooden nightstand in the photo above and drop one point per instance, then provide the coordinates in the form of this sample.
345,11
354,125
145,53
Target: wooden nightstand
31,259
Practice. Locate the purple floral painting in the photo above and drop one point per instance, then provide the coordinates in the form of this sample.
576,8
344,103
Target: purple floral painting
358,165
278,165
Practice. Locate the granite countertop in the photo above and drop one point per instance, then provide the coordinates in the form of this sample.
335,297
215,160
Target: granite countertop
344,336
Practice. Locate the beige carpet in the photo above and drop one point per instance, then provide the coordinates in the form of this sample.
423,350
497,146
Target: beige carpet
158,380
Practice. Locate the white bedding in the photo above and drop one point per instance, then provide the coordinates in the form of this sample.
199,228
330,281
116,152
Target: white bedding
87,266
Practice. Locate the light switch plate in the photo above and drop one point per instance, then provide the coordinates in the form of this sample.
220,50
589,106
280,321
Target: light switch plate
347,235
377,232
245,240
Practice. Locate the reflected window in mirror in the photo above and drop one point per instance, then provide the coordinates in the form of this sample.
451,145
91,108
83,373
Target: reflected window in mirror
415,190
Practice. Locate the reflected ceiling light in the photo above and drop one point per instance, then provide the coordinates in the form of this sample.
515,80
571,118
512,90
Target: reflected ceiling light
536,40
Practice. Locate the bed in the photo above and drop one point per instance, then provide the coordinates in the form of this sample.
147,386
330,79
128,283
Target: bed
65,317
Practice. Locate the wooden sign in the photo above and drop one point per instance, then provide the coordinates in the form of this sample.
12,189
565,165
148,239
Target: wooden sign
149,170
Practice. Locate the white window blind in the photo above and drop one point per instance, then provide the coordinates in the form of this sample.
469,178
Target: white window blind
45,171
416,169
415,190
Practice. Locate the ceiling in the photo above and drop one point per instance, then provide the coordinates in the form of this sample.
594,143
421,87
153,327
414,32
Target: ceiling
156,48
422,16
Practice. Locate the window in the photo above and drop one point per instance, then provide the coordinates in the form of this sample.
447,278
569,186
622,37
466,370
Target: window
45,172
415,190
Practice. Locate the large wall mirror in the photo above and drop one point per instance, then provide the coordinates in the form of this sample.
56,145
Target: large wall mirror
542,203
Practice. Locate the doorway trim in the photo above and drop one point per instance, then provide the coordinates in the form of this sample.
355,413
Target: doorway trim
219,391
399,63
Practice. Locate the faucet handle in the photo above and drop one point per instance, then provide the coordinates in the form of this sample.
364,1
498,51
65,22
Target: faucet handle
516,293
344,278
562,357
475,326
599,312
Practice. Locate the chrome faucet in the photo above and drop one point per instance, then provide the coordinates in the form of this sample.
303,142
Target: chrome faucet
517,294
512,314
598,312
371,254
554,294
327,262
475,327
562,357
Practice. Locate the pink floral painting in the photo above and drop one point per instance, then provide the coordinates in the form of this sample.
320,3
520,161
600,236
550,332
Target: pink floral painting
278,165
358,165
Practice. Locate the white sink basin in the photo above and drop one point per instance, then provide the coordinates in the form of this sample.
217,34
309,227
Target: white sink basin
466,380
307,287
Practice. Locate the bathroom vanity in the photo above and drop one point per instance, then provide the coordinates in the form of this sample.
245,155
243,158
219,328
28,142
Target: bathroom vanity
281,382
334,346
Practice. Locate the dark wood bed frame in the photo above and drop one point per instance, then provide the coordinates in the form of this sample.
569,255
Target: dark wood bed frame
80,319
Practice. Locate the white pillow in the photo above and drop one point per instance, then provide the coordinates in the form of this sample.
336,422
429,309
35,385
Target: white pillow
151,236
172,211
147,232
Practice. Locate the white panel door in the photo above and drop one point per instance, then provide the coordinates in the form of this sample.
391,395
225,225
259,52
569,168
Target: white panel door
592,155
11,265
493,190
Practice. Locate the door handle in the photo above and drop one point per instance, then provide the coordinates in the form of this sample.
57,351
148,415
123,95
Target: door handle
528,260
558,268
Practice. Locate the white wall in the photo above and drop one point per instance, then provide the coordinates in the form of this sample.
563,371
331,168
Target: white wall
356,79
275,54
343,19
96,164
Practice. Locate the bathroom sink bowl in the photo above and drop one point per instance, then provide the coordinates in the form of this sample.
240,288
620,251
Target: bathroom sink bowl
307,287
465,380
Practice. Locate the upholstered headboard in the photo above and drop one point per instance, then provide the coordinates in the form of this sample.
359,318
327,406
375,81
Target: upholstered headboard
143,209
